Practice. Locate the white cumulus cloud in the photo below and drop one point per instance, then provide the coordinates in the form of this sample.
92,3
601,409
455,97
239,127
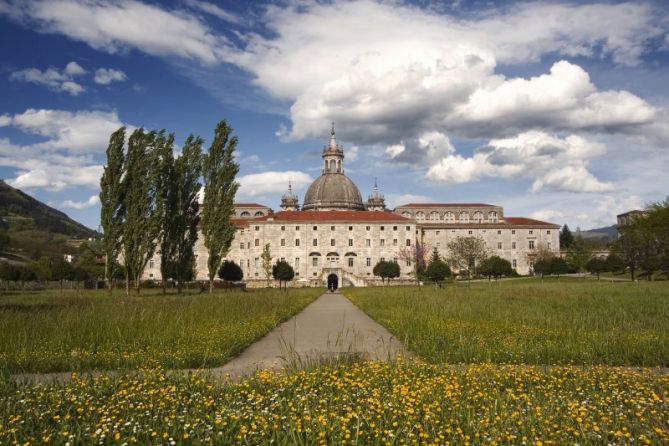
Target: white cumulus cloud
54,79
92,201
256,184
106,76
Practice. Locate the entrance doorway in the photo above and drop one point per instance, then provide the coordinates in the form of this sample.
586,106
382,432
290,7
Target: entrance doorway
333,282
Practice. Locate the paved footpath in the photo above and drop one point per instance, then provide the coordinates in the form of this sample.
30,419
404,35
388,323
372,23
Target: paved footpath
330,327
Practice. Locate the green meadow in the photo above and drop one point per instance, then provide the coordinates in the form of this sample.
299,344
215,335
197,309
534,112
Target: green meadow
55,331
528,321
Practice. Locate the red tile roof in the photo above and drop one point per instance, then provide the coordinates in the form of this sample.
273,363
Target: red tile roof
445,205
337,216
250,205
527,221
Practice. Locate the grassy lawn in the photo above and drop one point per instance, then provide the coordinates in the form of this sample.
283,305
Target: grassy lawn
527,321
61,331
368,403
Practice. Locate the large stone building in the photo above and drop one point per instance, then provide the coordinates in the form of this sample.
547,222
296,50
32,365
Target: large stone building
335,233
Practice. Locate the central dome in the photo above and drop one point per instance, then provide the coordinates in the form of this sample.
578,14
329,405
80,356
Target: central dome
333,191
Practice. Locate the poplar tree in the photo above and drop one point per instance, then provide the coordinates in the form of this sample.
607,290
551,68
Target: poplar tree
188,168
165,202
141,228
111,200
219,172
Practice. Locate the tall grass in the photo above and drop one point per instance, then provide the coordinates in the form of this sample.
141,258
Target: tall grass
54,331
532,322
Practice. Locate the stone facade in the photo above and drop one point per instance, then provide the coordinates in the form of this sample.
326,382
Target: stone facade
336,233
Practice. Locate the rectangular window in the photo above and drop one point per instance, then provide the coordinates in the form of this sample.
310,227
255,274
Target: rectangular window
394,242
408,242
283,228
241,245
350,262
350,242
255,262
382,228
350,228
367,227
368,242
531,244
332,228
513,245
257,228
314,261
383,242
151,264
256,242
548,232
315,242
297,228
514,263
383,259
368,261
315,228
297,242
283,259
395,260
549,245
408,228
470,232
283,242
297,262
408,262
394,228
499,245
499,232
531,232
332,242
513,231
438,232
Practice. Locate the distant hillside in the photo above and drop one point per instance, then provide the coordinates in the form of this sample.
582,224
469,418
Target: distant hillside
601,235
34,228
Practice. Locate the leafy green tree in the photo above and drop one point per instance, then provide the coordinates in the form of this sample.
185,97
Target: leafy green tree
542,266
579,254
596,265
650,264
566,237
466,252
266,258
558,266
87,262
61,270
4,239
188,168
141,226
43,269
437,269
111,200
230,271
165,199
219,172
386,270
496,267
283,272
614,263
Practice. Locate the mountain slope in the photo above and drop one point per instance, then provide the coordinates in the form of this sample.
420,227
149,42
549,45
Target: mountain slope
602,235
29,213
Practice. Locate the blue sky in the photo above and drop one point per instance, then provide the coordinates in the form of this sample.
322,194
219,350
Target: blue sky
557,111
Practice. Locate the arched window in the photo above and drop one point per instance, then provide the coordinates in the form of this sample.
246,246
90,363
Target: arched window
464,217
245,214
420,215
492,216
338,165
478,216
406,214
259,214
332,165
434,215
450,217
